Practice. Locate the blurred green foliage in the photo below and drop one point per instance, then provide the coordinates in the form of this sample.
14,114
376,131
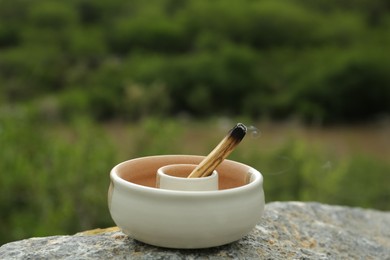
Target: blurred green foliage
64,65
324,61
52,184
54,177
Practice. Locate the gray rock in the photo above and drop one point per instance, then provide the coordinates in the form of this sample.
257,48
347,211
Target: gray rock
292,230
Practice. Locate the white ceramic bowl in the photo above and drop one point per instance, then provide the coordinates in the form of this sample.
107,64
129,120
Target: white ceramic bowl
184,219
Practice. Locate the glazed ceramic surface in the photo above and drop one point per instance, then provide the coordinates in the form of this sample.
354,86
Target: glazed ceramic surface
174,177
184,219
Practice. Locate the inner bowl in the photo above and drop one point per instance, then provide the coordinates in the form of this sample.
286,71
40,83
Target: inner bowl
184,219
175,177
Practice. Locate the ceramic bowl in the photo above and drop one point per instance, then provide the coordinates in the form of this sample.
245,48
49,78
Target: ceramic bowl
184,219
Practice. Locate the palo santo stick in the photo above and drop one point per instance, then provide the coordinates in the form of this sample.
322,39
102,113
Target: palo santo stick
220,152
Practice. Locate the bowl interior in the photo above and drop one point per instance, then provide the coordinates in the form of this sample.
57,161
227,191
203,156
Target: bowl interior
142,171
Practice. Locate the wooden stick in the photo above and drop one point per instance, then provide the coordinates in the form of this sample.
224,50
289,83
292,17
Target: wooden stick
220,152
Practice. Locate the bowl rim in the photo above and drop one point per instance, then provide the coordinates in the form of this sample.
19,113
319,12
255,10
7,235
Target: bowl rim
254,184
179,178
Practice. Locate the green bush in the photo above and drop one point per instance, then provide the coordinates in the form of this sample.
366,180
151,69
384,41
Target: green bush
66,64
87,45
55,176
259,58
52,183
355,88
55,15
30,72
161,35
280,23
301,171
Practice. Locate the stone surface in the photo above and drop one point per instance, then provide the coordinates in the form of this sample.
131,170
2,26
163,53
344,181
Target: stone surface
292,230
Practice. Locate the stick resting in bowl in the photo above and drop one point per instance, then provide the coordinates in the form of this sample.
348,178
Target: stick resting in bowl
220,152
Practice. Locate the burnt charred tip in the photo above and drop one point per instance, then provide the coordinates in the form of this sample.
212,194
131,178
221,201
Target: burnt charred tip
238,132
